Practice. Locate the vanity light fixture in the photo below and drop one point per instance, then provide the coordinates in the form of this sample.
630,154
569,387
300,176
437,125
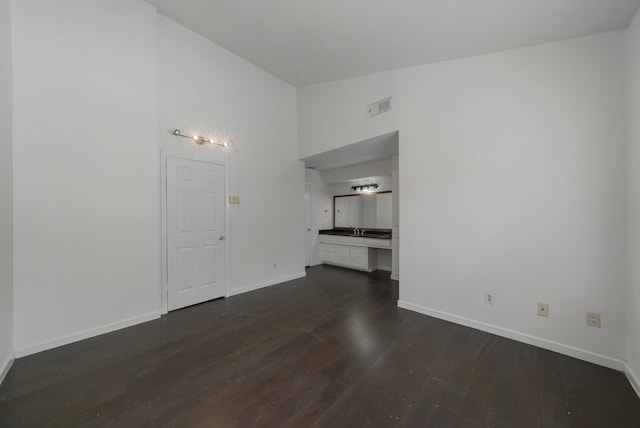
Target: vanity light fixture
364,188
202,140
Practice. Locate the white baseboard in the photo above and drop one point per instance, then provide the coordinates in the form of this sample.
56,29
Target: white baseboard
634,380
85,334
395,277
581,354
253,287
6,366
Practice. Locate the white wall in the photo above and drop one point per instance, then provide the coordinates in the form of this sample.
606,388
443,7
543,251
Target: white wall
6,190
633,189
395,218
512,180
204,88
85,169
98,87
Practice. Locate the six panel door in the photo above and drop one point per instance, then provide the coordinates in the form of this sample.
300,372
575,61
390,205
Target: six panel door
195,232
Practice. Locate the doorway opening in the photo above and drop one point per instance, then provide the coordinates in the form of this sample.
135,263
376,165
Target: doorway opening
345,171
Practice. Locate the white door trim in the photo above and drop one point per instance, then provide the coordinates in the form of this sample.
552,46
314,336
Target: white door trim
164,289
308,234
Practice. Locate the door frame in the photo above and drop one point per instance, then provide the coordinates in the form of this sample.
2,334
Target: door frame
308,250
164,289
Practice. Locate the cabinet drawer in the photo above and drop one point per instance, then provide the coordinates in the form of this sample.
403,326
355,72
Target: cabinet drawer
328,248
377,243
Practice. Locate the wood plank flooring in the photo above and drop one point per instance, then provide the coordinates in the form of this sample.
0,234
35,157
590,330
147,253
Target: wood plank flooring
328,350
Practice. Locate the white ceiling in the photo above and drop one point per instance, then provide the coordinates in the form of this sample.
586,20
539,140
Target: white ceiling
305,42
380,147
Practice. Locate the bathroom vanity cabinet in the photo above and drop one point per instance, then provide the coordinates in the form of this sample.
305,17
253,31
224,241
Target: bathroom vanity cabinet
351,251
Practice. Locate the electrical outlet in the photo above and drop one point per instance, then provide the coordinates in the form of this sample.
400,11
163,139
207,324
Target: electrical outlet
489,298
593,319
543,310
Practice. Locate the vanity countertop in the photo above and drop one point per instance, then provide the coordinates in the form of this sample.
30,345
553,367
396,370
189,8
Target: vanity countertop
367,234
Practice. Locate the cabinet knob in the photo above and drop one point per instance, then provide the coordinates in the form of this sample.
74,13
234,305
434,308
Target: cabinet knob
221,238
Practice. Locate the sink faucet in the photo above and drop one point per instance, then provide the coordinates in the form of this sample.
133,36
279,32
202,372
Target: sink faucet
355,230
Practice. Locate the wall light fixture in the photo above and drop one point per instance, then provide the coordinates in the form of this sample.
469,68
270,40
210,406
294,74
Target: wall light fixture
364,188
200,140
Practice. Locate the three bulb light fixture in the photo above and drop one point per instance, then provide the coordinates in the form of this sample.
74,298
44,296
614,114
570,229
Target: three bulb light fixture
200,140
364,188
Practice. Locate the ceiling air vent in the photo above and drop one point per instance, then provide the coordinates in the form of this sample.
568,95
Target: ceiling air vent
379,107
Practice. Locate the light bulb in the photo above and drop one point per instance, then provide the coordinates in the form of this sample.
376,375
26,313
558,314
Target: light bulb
195,137
211,140
225,144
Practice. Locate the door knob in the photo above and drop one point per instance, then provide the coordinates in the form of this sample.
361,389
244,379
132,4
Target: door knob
221,238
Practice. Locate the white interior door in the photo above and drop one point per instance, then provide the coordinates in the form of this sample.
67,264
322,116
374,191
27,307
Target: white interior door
308,247
195,232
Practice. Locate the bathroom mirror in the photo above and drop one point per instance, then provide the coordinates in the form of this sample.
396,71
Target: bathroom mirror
369,211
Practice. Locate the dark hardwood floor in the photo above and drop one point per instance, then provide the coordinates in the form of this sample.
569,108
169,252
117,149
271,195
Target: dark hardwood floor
328,350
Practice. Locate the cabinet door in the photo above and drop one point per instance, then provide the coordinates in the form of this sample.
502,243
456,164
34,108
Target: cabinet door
342,255
358,257
328,252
